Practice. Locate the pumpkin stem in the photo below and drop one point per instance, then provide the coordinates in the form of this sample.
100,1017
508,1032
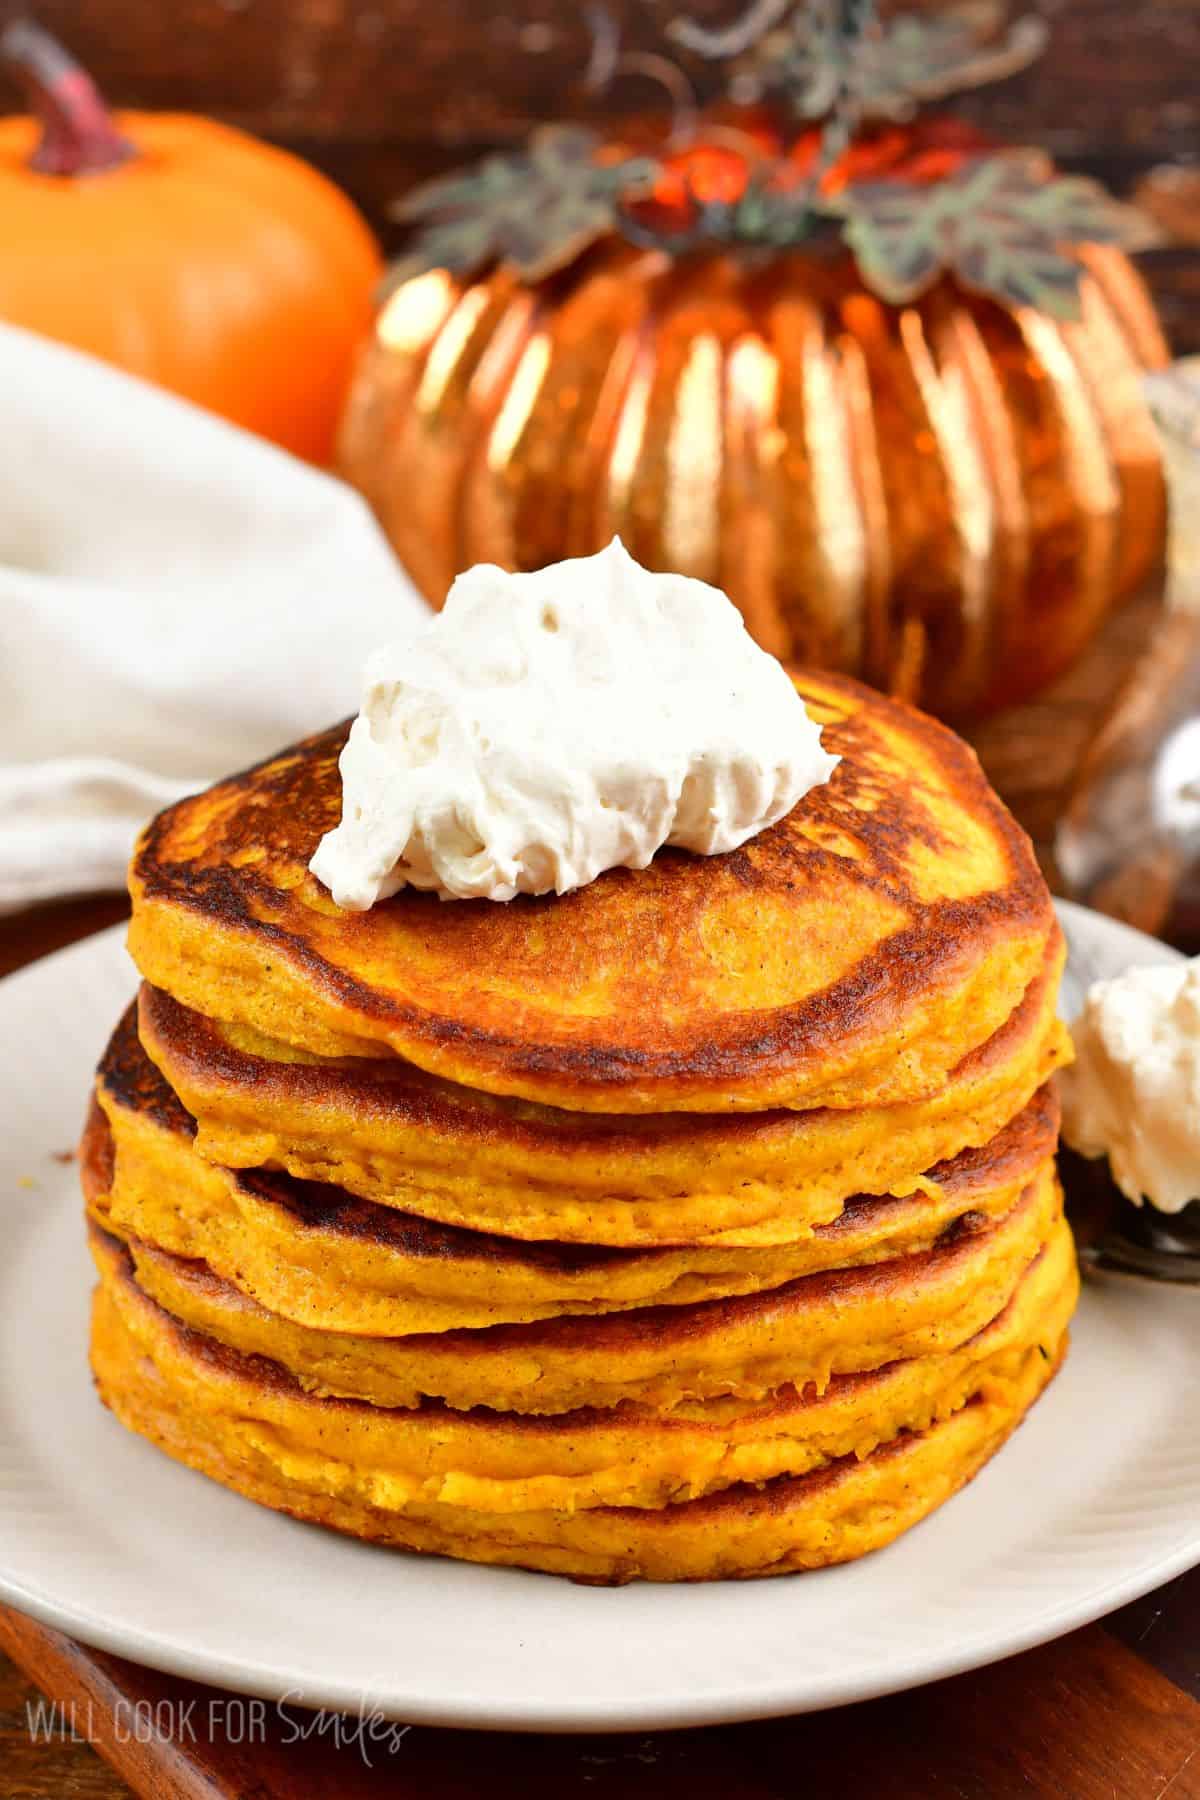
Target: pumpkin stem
78,133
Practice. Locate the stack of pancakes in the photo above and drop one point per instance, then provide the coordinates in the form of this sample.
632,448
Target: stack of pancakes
701,1222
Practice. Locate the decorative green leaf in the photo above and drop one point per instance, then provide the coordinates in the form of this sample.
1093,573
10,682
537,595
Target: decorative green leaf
922,57
896,67
1001,224
534,210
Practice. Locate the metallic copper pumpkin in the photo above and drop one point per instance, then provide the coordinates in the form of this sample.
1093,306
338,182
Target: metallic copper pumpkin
944,497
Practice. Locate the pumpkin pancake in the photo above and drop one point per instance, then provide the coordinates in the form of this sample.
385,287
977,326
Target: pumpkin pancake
843,1321
323,1258
212,1409
391,1133
850,956
625,1456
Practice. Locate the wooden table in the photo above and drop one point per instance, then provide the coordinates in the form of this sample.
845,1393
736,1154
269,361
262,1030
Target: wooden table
1110,1713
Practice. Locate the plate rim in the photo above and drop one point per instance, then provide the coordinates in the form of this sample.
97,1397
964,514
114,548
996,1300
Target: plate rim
254,1680
793,1695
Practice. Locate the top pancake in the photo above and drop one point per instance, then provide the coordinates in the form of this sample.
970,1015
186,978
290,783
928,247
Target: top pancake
851,955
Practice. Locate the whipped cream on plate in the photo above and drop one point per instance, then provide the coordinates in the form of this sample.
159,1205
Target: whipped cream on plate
545,727
1133,1093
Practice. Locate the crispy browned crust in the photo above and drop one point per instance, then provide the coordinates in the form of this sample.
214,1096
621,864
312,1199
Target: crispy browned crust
116,1264
954,1269
670,1327
608,991
390,1085
132,1082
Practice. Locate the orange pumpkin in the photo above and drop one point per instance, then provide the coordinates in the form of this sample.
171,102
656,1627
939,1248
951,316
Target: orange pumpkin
183,251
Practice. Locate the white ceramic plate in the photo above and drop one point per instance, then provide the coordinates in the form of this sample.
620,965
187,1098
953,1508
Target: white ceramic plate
1096,1500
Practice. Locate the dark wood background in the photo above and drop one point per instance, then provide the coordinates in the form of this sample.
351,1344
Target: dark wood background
1119,78
380,92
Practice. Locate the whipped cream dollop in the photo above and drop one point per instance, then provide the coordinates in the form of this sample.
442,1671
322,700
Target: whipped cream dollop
544,727
1134,1091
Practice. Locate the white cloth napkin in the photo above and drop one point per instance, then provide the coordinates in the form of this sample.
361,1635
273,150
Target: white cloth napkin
177,599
